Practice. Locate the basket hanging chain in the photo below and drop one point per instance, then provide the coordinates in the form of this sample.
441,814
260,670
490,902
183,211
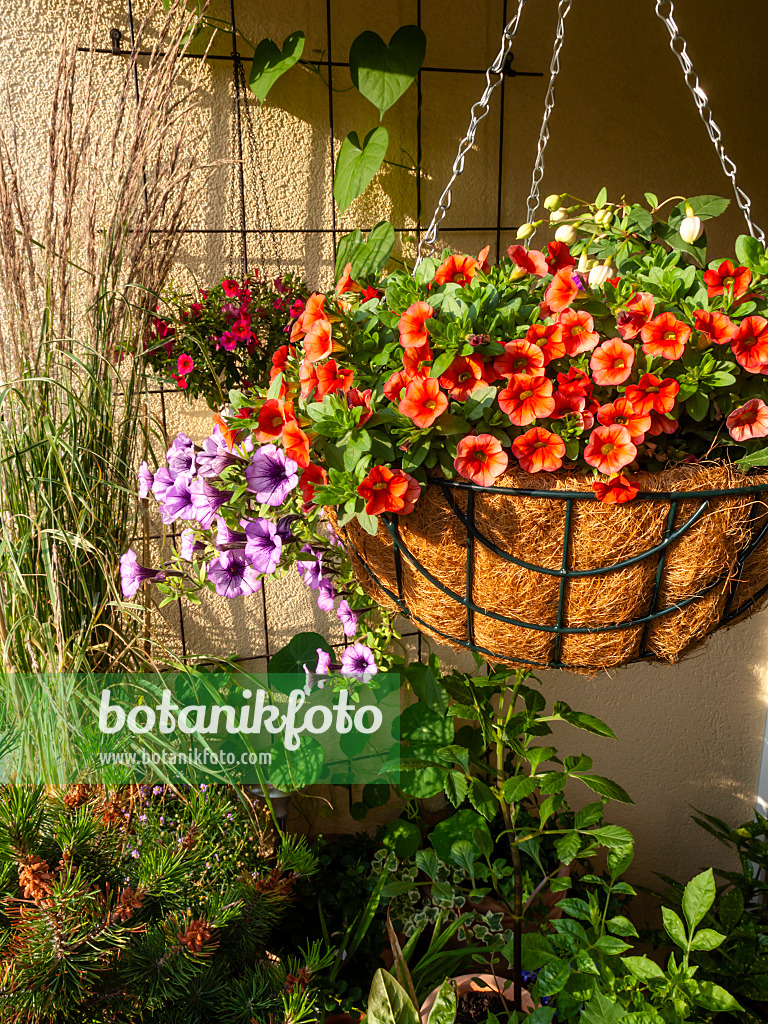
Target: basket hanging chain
479,110
554,68
678,46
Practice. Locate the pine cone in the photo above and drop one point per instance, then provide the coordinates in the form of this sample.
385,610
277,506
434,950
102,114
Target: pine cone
197,934
34,879
127,902
276,882
77,795
301,979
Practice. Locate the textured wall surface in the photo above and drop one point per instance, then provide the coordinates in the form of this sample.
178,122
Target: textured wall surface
689,735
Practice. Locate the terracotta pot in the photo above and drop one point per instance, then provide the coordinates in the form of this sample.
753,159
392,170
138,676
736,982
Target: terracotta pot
479,983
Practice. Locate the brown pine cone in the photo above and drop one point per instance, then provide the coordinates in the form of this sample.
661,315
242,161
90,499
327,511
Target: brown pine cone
198,933
34,879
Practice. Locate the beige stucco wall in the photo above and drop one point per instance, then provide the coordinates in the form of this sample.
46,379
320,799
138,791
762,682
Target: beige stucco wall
689,735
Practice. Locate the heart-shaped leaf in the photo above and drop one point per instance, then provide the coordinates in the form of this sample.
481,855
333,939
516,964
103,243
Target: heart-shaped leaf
269,63
382,73
357,165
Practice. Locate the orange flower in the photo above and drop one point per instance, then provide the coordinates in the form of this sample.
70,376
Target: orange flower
530,261
228,433
481,459
539,449
416,361
611,362
360,399
579,334
318,342
635,315
280,361
665,336
313,311
308,378
616,490
716,327
383,490
312,477
623,412
395,385
423,401
482,260
572,405
610,449
527,398
749,420
273,416
411,496
549,338
561,292
330,378
651,392
559,256
519,357
661,424
727,278
460,269
462,377
577,383
296,443
750,344
413,325
345,283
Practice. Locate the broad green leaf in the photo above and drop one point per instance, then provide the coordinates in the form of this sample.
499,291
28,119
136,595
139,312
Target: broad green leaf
517,788
611,946
698,406
731,908
583,721
270,63
620,859
651,199
382,72
707,939
389,1003
756,459
749,251
347,247
455,785
576,908
369,523
464,854
294,769
567,847
698,897
444,1007
605,787
424,683
459,826
713,997
483,800
404,837
371,257
612,836
643,968
357,165
621,926
674,927
552,977
285,664
537,755
589,815
601,1010
602,195
707,207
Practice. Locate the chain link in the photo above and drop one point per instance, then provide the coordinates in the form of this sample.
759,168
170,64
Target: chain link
678,46
479,111
554,69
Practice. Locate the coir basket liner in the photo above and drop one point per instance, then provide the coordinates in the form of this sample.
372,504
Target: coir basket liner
525,578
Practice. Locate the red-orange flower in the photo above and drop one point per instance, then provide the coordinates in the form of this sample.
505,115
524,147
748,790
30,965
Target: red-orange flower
423,401
527,398
308,378
519,357
383,490
417,360
395,384
615,491
481,459
228,433
549,338
360,399
530,261
750,344
312,477
575,383
727,277
716,327
749,420
411,496
345,283
460,269
635,315
665,336
313,311
579,334
661,424
611,362
412,325
273,416
558,256
482,259
561,291
318,341
332,378
280,361
623,412
539,450
651,392
296,443
462,377
610,449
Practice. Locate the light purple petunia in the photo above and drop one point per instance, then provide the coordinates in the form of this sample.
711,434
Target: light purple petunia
146,479
233,575
178,501
181,456
207,501
161,482
323,662
348,617
358,661
311,572
190,545
264,547
271,475
284,531
226,536
326,596
331,534
132,575
215,456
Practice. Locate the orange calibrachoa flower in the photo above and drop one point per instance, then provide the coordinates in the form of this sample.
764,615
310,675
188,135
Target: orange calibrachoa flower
296,443
549,338
651,392
610,449
331,377
411,496
661,424
280,360
384,490
312,477
611,362
423,401
635,315
727,278
579,334
307,377
527,398
345,283
362,400
575,383
462,377
665,336
412,325
716,327
318,341
561,292
749,420
459,269
623,412
482,259
750,344
313,311
519,357
417,361
539,450
273,416
530,261
615,491
481,459
395,384
558,256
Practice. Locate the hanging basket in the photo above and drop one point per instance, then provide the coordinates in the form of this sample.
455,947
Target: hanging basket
541,574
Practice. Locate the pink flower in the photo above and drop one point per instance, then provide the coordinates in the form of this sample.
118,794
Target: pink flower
749,420
185,365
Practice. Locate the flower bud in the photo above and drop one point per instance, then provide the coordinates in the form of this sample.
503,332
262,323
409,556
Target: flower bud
599,275
584,262
557,215
691,229
607,218
517,273
553,202
525,230
566,233
598,215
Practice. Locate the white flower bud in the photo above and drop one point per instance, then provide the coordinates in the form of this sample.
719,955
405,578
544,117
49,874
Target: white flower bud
599,275
553,202
566,233
557,215
691,229
584,262
525,230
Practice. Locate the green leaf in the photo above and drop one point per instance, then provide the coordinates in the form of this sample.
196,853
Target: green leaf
444,1007
290,770
576,908
651,199
290,660
756,459
537,755
482,799
713,997
423,681
698,406
383,73
707,207
642,968
611,946
376,794
731,908
601,1010
517,788
453,829
464,854
698,897
357,165
583,721
605,787
442,363
749,251
602,195
567,847
455,785
588,815
369,523
612,836
371,257
389,1003
707,939
674,927
270,63
347,247
404,837
621,926
552,977
619,860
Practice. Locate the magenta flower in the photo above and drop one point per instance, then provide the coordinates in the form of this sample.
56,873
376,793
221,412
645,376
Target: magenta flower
348,618
227,341
215,456
358,662
132,575
185,364
264,546
161,483
326,596
190,545
146,480
233,575
323,662
178,501
207,501
271,475
181,456
311,572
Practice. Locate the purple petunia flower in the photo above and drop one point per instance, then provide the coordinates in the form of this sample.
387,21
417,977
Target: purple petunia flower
326,596
311,572
132,575
161,482
181,456
358,661
178,502
323,668
284,531
146,480
271,475
226,536
323,662
215,456
233,575
348,618
190,545
264,546
207,501
331,534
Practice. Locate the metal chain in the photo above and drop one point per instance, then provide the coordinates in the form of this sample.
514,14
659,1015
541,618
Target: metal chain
479,111
678,46
554,68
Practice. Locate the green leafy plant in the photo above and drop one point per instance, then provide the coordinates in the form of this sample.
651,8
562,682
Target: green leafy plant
390,1003
270,63
381,72
358,164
